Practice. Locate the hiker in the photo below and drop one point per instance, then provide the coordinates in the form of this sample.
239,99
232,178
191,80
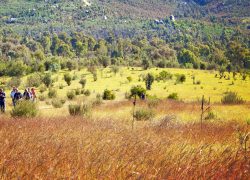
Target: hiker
33,94
26,95
2,100
12,94
143,96
17,97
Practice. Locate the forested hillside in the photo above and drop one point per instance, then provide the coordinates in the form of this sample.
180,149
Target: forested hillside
48,34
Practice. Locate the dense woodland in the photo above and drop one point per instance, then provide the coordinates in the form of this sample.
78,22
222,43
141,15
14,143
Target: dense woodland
57,34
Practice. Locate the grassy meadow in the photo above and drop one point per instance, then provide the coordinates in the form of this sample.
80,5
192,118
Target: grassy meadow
108,144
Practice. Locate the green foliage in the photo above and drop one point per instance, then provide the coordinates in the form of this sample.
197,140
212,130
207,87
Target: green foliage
108,95
137,90
47,79
71,94
173,96
52,93
83,82
87,92
67,78
34,80
15,82
164,75
77,92
42,88
42,97
144,114
57,103
129,78
79,109
25,109
232,98
149,79
180,78
187,56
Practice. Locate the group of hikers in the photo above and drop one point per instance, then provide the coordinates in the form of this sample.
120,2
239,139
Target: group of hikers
16,95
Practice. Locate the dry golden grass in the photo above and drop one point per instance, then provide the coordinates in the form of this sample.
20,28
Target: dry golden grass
107,147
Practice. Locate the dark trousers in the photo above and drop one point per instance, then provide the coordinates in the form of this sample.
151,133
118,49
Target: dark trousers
2,106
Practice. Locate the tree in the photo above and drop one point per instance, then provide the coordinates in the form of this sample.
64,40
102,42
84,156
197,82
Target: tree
47,79
149,81
187,56
67,78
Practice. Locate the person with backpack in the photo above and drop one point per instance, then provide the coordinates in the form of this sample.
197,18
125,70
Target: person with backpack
33,94
26,95
12,94
2,100
17,97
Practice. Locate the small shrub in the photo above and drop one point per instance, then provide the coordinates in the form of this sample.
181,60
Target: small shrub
198,82
180,78
83,82
47,79
67,78
14,81
34,80
144,114
25,109
42,88
42,97
129,78
71,95
77,92
137,90
57,103
61,86
232,98
149,79
153,103
210,115
87,92
52,93
108,95
173,96
79,110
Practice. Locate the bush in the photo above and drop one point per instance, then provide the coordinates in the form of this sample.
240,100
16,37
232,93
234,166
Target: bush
87,92
42,88
137,90
232,98
25,109
67,78
164,75
52,93
79,110
34,80
149,79
14,81
108,95
144,114
83,82
47,79
210,115
152,103
129,78
61,86
58,103
173,96
180,78
42,97
77,92
71,95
